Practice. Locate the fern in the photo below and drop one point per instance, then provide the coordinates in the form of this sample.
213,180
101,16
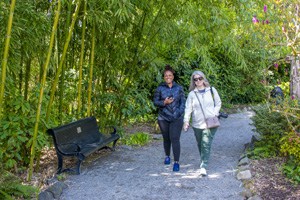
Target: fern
11,187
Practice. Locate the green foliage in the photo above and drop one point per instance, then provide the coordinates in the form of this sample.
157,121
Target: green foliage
292,170
279,128
267,147
136,139
135,39
17,128
285,86
61,177
290,142
278,73
271,126
11,187
290,146
269,122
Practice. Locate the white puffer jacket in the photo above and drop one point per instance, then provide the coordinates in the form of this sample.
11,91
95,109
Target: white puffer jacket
192,107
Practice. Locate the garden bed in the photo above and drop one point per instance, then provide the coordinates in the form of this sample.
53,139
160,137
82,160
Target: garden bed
269,182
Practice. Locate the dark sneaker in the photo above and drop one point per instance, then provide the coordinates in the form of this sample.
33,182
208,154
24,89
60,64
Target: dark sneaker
176,167
167,160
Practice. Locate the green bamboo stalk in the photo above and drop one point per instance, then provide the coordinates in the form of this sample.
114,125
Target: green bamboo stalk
79,101
35,133
5,55
53,88
27,77
91,72
62,77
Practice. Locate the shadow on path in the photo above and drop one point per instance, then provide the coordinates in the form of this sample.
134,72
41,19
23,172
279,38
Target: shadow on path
139,173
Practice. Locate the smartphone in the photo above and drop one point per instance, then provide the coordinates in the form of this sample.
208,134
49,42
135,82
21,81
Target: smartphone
171,96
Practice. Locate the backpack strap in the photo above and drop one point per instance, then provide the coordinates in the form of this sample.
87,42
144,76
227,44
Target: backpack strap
212,94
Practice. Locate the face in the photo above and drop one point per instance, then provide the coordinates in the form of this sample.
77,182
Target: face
198,80
168,77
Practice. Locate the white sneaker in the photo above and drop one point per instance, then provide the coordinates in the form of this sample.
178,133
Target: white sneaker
203,172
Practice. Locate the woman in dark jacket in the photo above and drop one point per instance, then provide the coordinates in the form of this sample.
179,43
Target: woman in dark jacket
170,99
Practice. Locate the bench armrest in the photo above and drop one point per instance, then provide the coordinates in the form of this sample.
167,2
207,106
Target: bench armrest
114,130
77,146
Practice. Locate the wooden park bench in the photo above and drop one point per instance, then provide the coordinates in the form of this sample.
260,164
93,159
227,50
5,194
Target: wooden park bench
79,139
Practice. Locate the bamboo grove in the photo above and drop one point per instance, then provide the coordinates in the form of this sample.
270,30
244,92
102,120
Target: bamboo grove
64,60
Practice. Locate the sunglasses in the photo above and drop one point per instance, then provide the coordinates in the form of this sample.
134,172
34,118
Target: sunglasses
198,79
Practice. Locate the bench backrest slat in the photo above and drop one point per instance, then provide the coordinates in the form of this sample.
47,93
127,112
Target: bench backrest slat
83,131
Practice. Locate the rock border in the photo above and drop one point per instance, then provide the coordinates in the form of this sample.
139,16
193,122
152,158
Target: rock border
244,173
54,190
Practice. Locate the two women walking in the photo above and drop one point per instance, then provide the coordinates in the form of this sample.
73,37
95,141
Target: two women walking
175,113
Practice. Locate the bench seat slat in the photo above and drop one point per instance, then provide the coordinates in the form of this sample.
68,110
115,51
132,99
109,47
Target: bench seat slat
71,149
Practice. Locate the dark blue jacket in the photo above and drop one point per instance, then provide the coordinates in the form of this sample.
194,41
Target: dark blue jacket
174,110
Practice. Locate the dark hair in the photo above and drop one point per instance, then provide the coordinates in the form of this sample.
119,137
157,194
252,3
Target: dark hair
169,68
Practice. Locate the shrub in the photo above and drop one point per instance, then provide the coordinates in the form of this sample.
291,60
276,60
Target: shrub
292,170
136,139
271,127
279,127
17,128
290,146
11,187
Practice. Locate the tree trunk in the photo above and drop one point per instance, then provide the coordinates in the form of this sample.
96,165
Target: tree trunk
295,78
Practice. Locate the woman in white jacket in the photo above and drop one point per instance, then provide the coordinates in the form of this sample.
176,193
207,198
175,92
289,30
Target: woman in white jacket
211,104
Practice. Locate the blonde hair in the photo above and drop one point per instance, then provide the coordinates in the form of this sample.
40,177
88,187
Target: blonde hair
192,83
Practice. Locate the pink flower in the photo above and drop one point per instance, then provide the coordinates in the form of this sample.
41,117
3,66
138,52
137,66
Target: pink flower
267,22
255,20
276,65
283,29
293,97
265,8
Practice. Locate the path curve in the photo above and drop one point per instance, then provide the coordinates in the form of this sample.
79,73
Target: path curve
139,173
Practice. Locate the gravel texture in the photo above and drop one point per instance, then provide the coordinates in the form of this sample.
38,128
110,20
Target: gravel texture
139,173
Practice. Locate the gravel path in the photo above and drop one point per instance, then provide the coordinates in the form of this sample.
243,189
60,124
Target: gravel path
139,173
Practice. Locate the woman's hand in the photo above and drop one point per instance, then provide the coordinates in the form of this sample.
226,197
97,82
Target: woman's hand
168,100
186,126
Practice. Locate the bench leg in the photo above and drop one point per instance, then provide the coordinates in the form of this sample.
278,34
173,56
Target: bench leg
60,163
114,145
78,167
113,148
80,158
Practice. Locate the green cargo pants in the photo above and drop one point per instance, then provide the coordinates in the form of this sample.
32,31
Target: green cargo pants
204,139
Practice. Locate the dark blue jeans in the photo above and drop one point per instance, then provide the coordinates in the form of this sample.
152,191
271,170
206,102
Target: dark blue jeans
171,132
